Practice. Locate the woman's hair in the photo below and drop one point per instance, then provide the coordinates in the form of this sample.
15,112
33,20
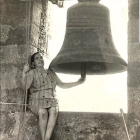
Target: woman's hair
33,57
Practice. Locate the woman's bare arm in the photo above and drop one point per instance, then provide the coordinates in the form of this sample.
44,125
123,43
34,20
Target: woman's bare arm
66,85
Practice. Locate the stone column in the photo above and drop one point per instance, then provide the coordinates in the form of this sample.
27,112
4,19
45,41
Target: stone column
134,70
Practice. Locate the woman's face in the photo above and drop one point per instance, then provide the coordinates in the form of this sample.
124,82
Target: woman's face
38,60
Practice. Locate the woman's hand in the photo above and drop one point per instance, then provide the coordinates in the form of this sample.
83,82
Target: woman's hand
26,68
82,80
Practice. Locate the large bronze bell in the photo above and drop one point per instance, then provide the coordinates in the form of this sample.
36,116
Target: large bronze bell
88,42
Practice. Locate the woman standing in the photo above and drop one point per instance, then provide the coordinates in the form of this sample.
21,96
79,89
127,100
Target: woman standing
42,101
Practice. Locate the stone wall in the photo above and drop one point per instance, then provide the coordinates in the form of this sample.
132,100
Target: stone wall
70,126
14,51
134,69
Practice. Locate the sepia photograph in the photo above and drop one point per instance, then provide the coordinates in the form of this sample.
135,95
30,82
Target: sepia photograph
69,70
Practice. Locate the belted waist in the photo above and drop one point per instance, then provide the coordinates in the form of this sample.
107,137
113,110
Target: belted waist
40,94
49,90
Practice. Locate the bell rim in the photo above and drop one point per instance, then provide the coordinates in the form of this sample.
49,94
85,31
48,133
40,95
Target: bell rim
121,68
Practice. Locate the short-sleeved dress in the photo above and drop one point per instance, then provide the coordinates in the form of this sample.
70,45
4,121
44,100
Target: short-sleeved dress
42,91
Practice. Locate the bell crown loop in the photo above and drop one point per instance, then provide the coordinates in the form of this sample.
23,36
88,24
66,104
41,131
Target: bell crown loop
88,1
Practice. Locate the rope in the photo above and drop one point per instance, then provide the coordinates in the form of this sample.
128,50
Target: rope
24,105
12,103
27,42
125,124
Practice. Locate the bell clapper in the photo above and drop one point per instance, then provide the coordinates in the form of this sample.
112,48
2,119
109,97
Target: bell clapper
83,70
